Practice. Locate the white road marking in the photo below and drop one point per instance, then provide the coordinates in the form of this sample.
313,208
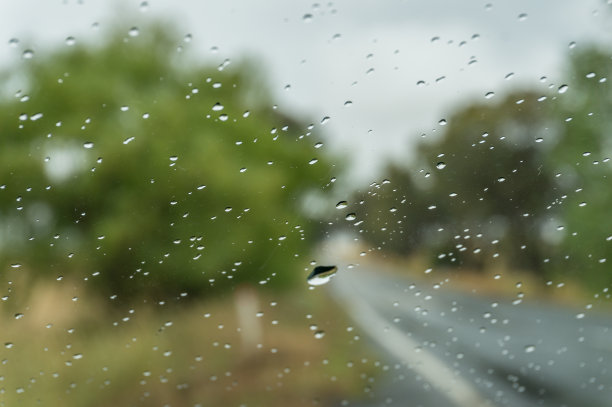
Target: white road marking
459,391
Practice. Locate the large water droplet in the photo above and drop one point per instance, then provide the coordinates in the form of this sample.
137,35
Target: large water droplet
321,275
530,348
563,88
341,205
307,18
88,145
441,165
134,31
27,54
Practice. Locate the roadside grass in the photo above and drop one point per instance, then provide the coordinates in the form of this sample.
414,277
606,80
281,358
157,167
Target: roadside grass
497,280
63,346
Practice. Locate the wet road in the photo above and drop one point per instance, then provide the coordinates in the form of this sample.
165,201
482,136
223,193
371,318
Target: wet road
451,349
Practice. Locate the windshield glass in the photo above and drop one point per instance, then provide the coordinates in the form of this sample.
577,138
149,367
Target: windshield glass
295,203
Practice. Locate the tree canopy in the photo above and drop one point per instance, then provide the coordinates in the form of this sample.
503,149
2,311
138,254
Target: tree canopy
527,179
129,165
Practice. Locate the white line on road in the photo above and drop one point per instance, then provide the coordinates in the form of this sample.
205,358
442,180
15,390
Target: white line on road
460,392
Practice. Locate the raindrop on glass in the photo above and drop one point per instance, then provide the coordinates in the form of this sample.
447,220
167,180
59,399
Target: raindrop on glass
341,205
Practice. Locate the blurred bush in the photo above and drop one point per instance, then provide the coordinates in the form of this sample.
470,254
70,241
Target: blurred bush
129,164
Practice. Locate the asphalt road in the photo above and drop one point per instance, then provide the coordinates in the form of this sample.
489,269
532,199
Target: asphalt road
448,348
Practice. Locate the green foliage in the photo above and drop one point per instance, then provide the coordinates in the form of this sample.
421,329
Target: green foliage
528,180
118,167
582,158
484,178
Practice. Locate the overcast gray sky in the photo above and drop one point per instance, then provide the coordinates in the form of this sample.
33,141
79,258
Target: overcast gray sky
325,58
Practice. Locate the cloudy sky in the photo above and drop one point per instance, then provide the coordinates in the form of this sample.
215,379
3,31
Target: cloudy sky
372,53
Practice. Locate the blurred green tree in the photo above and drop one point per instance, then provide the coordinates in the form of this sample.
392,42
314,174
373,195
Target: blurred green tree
528,178
481,188
581,157
130,165
489,175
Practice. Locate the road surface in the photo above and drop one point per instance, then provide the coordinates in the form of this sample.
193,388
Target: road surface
448,348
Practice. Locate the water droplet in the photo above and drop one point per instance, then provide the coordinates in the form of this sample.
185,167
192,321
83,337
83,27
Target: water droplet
13,42
173,158
318,145
243,169
70,41
321,275
27,54
522,17
77,356
441,165
348,103
124,108
307,18
442,122
144,6
18,315
563,88
134,31
350,217
580,316
88,145
501,179
15,265
341,205
188,38
217,107
420,83
530,348
313,161
325,119
489,95
319,334
8,345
